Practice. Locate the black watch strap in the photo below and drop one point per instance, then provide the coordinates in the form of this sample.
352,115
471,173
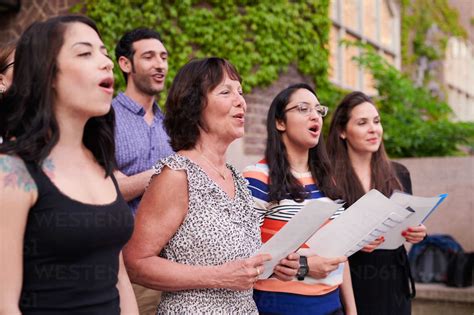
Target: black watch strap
304,269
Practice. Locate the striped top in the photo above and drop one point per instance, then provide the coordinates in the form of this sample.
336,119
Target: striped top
273,216
138,146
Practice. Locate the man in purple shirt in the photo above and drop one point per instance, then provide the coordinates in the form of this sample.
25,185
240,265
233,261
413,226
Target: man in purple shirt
140,139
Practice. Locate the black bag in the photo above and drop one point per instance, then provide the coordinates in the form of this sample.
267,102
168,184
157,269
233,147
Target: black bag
430,259
460,270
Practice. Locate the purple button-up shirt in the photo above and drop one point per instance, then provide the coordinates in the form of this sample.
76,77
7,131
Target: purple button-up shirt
138,146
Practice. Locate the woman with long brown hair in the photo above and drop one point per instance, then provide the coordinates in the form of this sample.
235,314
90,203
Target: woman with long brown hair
296,170
63,220
380,278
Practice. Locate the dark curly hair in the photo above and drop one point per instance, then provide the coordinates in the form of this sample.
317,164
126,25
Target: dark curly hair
188,96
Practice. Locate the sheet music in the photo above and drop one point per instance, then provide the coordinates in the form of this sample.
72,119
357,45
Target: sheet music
368,218
422,206
291,236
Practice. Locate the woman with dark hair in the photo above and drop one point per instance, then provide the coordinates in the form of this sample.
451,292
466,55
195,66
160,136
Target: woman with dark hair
7,52
296,170
195,229
64,222
380,278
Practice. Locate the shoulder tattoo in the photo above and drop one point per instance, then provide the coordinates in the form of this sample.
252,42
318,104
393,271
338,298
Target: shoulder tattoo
15,174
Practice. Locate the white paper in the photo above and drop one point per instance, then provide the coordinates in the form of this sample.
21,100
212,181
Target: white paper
422,206
368,218
296,232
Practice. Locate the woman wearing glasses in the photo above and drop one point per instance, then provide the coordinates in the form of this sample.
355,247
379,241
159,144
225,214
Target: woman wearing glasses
296,169
7,53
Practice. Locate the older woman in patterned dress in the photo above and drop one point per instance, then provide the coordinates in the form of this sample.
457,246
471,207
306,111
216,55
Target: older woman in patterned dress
196,231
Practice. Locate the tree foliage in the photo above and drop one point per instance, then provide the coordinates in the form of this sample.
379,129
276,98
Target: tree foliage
415,122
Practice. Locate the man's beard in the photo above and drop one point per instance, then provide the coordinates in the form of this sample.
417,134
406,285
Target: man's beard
144,83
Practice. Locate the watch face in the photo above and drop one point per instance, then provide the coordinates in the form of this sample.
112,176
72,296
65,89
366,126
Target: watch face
303,271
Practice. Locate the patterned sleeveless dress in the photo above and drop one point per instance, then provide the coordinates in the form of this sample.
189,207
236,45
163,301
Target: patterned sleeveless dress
217,229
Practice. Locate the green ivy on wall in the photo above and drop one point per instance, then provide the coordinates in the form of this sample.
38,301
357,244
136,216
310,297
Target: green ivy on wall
261,38
417,18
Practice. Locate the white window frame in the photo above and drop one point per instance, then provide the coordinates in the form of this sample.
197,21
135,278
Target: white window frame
358,33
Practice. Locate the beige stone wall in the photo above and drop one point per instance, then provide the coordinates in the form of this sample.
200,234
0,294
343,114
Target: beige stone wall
13,24
438,299
452,175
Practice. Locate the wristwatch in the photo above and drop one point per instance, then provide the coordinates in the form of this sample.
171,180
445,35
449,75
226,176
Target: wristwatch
304,268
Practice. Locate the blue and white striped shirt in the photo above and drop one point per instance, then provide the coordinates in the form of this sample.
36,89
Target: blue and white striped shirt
138,146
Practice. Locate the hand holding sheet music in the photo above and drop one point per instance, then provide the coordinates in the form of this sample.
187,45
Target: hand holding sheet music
422,208
368,218
296,232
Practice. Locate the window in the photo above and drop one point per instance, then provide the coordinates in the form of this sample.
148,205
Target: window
369,21
349,13
386,25
351,70
333,53
376,22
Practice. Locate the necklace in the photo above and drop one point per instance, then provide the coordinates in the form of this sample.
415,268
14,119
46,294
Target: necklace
299,174
222,174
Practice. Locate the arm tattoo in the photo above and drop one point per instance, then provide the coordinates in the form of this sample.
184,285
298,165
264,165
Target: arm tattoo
16,175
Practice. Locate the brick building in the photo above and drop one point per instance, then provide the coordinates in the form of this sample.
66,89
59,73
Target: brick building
13,23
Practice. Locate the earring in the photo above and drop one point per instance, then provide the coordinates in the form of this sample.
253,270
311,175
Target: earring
342,137
2,89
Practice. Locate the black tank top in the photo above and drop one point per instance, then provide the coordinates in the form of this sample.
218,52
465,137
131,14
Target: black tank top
71,252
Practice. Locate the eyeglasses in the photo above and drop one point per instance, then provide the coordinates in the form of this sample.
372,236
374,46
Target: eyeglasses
306,109
7,66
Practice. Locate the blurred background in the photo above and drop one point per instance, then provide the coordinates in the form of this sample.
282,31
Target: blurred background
416,58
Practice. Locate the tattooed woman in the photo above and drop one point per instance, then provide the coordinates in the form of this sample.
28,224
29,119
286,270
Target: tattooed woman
63,222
